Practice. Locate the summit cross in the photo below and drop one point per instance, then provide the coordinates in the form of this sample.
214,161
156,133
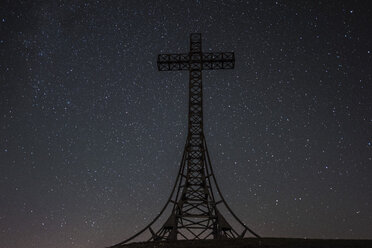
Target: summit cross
192,206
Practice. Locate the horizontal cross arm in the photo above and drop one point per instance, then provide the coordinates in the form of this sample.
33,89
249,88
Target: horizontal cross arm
204,61
217,61
173,62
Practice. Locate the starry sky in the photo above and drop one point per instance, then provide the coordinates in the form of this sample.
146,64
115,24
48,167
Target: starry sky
91,134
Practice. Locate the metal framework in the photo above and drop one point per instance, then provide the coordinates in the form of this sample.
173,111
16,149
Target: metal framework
194,207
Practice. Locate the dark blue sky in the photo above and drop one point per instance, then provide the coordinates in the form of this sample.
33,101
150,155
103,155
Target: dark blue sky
92,134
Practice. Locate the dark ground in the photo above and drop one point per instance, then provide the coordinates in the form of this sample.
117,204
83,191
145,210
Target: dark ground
263,242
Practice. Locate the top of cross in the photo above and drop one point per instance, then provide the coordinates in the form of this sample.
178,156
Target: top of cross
196,59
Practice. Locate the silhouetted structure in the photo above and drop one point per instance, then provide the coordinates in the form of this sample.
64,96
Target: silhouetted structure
195,213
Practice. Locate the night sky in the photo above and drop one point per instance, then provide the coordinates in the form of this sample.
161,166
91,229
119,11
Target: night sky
92,133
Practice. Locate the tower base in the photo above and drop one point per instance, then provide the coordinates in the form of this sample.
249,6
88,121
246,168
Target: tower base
257,243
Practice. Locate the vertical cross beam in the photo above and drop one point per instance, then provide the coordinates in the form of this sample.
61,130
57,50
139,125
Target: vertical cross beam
195,120
196,197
